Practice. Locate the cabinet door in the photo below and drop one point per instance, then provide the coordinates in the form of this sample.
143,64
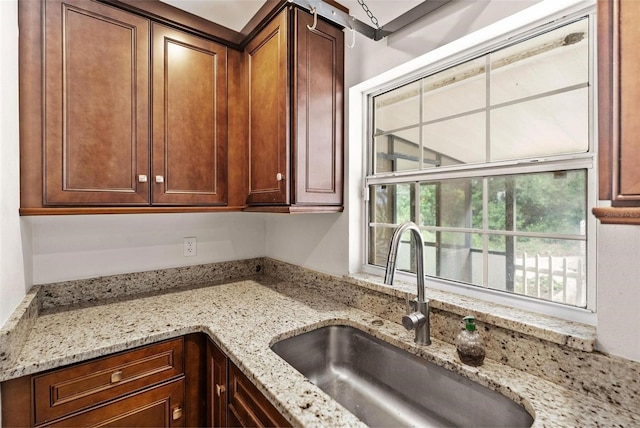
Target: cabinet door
247,406
217,386
189,119
618,100
318,112
157,407
96,102
267,62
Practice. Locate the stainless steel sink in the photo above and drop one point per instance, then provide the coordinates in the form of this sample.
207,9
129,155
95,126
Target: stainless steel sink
386,386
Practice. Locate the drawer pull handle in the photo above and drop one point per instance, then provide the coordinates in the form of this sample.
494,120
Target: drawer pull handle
177,413
116,376
220,389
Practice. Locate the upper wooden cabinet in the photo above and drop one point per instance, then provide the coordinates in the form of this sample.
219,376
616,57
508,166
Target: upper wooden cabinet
123,112
618,102
96,105
296,98
189,119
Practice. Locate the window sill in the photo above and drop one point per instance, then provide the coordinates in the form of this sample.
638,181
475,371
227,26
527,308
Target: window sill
556,330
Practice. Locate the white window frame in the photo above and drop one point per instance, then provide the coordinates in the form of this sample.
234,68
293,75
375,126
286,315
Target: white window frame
545,14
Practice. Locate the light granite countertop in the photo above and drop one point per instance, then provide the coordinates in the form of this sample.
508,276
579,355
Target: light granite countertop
245,316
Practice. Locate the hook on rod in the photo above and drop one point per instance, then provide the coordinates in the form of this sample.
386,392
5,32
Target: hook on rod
353,39
315,19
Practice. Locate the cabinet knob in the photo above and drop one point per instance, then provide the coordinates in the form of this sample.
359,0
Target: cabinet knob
159,179
116,376
279,177
142,178
177,413
220,389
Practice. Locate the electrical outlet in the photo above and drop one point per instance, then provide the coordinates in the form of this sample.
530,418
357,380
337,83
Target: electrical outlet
190,247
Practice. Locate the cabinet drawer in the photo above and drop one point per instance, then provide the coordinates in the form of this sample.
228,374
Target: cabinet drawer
68,390
161,406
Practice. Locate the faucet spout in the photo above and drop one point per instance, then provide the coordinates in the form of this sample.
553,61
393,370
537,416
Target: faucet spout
419,320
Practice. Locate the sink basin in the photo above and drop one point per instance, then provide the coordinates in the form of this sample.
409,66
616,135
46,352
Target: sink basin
386,386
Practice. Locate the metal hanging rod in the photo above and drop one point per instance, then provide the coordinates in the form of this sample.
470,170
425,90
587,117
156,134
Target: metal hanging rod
344,19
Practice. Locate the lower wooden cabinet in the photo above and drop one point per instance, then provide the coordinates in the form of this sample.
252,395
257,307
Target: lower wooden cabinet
137,388
235,401
247,406
186,381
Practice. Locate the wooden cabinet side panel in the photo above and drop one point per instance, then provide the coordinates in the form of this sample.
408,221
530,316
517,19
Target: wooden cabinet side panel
238,128
16,396
629,172
318,113
96,104
268,76
195,399
30,86
189,119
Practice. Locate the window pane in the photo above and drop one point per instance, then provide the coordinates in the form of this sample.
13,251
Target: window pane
380,239
379,242
551,61
455,90
462,140
392,203
550,269
451,203
550,202
398,151
397,108
556,124
458,260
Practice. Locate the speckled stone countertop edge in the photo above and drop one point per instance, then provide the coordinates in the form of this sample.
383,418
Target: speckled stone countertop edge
245,317
556,330
14,332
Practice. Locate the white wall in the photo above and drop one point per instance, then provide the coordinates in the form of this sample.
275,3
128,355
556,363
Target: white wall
619,290
12,273
75,247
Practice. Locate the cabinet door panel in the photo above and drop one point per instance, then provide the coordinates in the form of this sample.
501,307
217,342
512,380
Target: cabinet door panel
318,127
217,386
96,104
247,406
268,71
629,98
189,119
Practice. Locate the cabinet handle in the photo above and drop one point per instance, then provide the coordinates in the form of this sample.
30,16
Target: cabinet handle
142,178
116,376
177,413
279,177
220,389
159,179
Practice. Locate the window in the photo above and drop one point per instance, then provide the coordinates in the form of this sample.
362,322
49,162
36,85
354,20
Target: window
491,155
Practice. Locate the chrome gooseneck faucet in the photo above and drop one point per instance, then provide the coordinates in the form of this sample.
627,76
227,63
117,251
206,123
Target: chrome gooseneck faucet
418,320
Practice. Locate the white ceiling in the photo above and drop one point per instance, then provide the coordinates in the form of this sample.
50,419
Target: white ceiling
235,14
232,14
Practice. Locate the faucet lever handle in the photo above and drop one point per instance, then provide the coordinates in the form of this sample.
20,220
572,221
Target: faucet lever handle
410,304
